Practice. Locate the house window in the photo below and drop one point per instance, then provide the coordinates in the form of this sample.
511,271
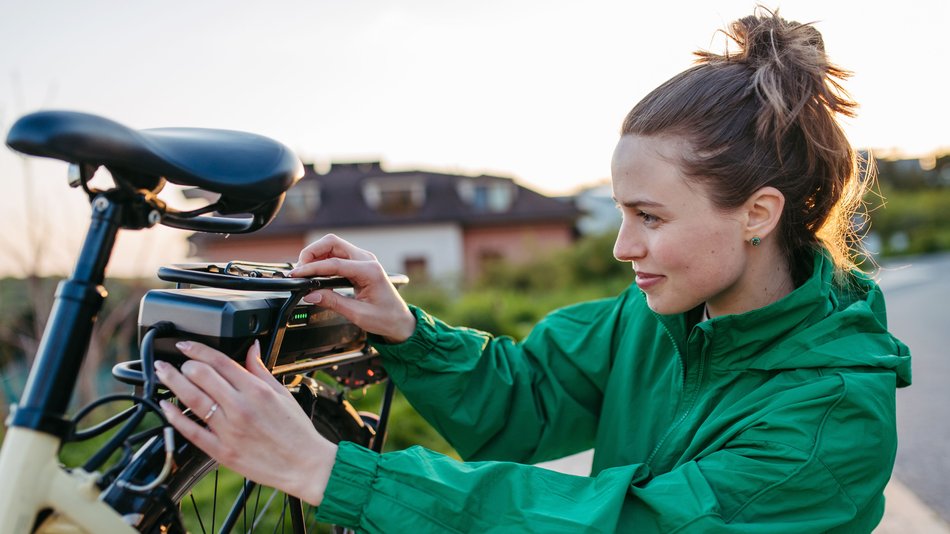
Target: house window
480,198
488,258
396,202
487,196
302,201
395,196
416,268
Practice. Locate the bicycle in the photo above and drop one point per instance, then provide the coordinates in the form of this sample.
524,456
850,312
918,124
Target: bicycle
225,305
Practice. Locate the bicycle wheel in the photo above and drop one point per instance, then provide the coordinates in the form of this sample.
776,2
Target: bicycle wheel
201,497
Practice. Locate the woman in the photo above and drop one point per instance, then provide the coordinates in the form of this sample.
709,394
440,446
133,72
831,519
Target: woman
745,383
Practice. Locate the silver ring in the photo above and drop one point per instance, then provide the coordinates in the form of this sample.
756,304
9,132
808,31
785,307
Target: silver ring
214,408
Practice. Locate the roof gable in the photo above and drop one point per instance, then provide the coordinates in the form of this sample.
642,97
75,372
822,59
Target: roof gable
350,196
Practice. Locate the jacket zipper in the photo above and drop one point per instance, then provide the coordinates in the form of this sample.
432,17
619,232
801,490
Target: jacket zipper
688,408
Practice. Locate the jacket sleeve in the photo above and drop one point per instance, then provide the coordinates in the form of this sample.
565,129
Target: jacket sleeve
493,398
759,482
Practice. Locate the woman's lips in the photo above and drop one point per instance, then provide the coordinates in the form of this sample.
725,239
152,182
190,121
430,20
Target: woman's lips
648,280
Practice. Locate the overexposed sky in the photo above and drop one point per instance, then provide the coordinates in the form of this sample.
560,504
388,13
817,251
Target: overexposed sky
533,89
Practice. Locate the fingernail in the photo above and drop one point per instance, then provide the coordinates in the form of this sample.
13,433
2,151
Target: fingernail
160,366
292,272
165,405
314,298
183,346
257,345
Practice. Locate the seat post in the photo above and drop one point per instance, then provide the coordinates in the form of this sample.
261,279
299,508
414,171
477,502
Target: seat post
62,349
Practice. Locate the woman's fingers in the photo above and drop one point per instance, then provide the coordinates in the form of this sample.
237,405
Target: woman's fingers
375,306
254,365
247,415
192,394
358,272
331,300
192,431
331,246
230,370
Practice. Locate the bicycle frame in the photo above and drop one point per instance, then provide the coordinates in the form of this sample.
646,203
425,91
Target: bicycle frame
37,494
34,481
29,468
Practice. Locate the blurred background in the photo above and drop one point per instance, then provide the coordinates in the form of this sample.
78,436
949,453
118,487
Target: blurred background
475,139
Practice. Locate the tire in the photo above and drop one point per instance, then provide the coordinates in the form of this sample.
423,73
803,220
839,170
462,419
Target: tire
161,511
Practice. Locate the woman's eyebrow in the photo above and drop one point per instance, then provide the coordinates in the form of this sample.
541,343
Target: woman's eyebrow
638,203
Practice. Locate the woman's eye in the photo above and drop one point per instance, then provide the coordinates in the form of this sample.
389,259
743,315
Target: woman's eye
647,218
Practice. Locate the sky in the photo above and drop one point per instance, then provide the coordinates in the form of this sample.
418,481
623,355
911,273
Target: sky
534,89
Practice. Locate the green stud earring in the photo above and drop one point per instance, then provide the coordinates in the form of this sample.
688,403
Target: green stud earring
755,241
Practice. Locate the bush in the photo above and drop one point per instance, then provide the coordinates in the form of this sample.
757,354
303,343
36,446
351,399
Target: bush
911,222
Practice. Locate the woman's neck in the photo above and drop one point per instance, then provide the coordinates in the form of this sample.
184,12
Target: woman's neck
766,279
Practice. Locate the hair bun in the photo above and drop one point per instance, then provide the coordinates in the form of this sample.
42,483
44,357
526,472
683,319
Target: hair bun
789,70
765,39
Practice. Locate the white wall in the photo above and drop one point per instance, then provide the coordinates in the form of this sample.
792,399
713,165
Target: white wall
440,244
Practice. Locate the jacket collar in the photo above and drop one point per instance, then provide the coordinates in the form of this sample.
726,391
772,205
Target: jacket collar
819,324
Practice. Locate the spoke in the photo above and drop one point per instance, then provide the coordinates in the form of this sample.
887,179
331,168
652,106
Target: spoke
198,514
259,516
257,502
239,507
283,513
214,500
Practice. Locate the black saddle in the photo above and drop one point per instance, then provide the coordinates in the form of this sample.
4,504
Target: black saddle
238,165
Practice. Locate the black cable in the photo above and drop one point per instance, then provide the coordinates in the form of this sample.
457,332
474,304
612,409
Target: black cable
93,431
159,329
163,328
120,436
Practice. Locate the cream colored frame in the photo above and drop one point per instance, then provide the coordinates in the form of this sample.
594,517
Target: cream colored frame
31,480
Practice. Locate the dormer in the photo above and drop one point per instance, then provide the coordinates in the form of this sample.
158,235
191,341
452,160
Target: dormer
487,194
302,201
395,195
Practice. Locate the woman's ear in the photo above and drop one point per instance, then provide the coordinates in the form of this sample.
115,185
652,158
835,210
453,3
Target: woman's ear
763,212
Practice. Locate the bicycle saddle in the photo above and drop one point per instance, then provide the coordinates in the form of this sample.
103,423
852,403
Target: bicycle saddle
238,165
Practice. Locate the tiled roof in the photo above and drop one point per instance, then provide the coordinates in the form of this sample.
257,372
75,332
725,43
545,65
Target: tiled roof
342,203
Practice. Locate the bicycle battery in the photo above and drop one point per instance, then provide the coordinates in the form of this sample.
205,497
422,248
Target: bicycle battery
230,321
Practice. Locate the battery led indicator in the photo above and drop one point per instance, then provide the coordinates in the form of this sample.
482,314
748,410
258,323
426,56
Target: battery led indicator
299,318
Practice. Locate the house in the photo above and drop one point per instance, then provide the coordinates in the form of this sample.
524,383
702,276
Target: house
429,225
599,210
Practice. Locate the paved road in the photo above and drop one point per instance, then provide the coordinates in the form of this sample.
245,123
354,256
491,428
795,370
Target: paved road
918,303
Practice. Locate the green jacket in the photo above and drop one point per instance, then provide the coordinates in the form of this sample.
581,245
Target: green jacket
781,419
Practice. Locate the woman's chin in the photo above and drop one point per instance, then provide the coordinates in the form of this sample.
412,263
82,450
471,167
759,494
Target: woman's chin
665,307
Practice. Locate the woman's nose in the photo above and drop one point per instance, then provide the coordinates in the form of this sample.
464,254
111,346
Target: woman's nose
628,246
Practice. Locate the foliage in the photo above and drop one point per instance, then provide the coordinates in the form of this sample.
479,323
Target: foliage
24,309
911,221
509,299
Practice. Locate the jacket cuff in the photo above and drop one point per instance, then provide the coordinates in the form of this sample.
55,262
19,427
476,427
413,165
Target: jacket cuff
350,485
419,344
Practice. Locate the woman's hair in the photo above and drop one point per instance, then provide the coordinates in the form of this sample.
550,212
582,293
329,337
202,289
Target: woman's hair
766,116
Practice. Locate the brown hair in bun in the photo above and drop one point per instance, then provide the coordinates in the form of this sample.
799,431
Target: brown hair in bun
766,115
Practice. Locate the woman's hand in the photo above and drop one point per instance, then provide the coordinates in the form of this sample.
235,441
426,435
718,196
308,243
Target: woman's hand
377,306
254,425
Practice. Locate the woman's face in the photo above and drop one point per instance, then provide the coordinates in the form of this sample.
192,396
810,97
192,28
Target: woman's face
684,250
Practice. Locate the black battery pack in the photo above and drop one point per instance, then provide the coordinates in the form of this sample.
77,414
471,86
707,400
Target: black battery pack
230,321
